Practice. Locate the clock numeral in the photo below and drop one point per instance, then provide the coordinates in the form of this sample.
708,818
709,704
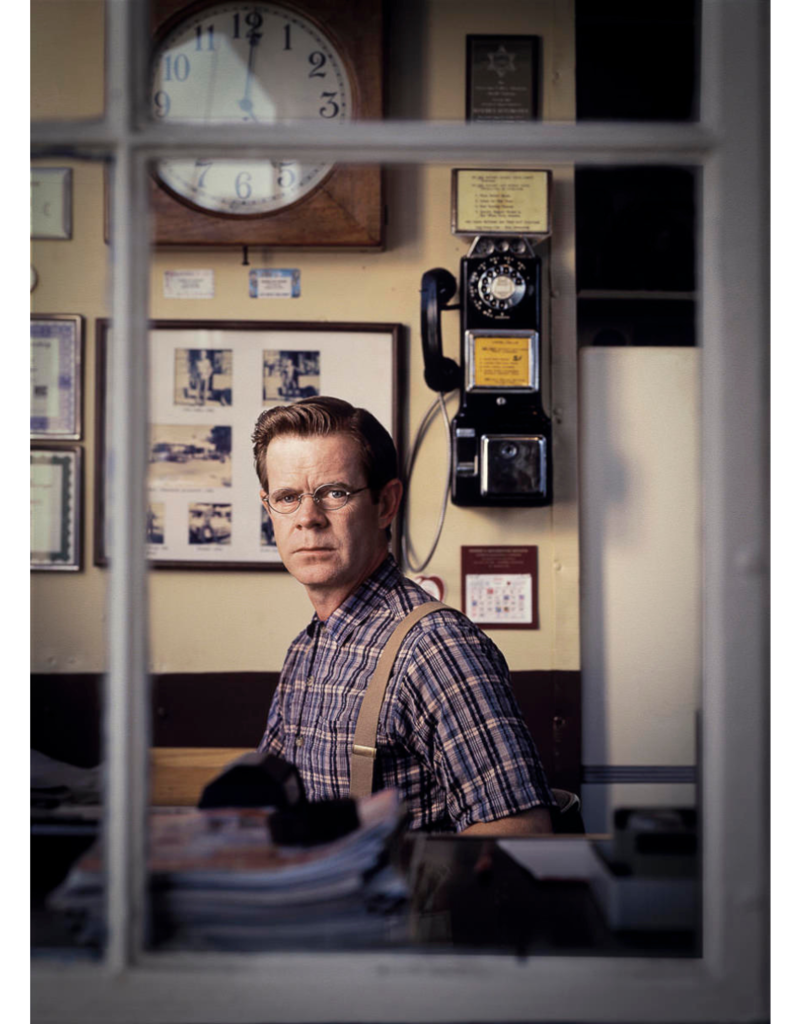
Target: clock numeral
286,178
243,188
209,37
205,164
287,37
331,109
317,60
180,66
161,100
254,20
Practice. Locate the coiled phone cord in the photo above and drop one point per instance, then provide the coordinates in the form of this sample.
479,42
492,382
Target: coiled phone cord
409,554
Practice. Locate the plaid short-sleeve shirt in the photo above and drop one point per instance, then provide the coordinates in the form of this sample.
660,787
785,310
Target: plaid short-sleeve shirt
451,736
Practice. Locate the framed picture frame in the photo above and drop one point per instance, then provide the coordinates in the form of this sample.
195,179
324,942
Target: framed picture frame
56,509
57,344
502,78
209,382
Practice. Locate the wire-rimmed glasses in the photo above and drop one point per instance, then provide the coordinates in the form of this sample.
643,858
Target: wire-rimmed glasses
327,496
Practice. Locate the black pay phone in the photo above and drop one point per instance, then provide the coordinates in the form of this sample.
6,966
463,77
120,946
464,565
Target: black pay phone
501,437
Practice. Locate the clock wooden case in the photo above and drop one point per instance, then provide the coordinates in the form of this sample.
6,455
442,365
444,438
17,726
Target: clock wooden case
339,205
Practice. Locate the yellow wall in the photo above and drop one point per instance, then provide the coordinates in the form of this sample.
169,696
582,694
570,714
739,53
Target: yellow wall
229,621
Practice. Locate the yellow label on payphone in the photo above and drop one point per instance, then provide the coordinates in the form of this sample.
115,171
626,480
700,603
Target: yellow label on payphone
502,362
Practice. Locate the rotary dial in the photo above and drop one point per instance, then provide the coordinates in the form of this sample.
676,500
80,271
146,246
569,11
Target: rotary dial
498,284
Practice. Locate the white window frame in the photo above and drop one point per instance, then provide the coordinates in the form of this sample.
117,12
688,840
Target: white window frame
729,982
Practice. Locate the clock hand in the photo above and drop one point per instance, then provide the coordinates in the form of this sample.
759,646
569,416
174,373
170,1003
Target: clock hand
245,102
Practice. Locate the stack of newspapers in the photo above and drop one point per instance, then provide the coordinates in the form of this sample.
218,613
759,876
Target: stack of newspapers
218,882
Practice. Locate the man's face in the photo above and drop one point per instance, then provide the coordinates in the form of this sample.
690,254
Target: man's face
327,551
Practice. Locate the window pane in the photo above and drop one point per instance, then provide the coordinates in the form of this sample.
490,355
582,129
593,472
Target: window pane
69,654
637,62
258,291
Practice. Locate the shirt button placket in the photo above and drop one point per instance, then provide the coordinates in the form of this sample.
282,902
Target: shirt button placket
299,741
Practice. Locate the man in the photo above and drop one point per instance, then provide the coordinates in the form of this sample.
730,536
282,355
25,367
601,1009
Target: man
204,369
450,734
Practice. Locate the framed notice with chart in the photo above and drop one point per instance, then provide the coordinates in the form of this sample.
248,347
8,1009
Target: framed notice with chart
499,586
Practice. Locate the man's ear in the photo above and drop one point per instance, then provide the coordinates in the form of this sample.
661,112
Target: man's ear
389,502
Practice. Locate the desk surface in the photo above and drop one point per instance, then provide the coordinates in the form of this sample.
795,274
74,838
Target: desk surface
467,894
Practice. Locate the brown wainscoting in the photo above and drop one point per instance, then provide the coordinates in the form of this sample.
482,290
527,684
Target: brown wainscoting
229,709
551,705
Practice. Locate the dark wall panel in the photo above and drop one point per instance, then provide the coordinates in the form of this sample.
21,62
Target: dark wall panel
229,709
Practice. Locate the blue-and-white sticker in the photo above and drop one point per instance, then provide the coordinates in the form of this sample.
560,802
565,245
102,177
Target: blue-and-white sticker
274,284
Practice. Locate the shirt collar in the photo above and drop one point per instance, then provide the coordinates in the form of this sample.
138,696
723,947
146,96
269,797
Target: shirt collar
365,599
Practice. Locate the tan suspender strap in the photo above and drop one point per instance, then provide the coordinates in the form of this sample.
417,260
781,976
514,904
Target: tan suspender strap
362,760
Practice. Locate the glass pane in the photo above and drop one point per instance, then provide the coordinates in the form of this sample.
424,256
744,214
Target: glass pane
69,292
219,637
230,62
637,62
233,63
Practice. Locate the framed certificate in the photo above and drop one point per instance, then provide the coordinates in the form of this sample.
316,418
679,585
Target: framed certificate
56,509
56,360
209,382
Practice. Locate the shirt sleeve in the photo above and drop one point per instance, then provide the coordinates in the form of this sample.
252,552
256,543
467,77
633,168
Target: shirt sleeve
460,717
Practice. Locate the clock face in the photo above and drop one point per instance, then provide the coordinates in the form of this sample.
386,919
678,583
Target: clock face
236,62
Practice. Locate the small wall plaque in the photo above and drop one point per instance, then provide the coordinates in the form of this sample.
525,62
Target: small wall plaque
502,78
51,202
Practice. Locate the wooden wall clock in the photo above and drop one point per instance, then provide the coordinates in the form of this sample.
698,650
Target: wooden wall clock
229,61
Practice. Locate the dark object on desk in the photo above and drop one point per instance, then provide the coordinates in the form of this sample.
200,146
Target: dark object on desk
255,780
567,819
264,780
311,824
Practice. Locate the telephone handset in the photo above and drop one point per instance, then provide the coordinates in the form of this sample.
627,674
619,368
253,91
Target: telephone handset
501,436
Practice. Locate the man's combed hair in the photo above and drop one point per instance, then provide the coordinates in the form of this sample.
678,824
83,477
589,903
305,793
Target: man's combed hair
320,417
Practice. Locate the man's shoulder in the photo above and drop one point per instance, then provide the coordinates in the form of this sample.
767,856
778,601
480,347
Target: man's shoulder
398,596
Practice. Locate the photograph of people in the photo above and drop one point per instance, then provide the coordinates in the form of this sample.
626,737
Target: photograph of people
204,377
155,522
209,523
267,531
290,375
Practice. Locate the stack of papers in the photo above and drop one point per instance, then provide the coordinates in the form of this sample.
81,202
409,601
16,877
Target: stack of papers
54,783
217,882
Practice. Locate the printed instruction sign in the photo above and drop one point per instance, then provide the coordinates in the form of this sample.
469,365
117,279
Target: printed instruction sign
500,202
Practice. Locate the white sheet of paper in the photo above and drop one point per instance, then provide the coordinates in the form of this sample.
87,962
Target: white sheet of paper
551,857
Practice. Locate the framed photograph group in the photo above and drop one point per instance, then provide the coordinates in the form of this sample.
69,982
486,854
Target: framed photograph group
209,382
